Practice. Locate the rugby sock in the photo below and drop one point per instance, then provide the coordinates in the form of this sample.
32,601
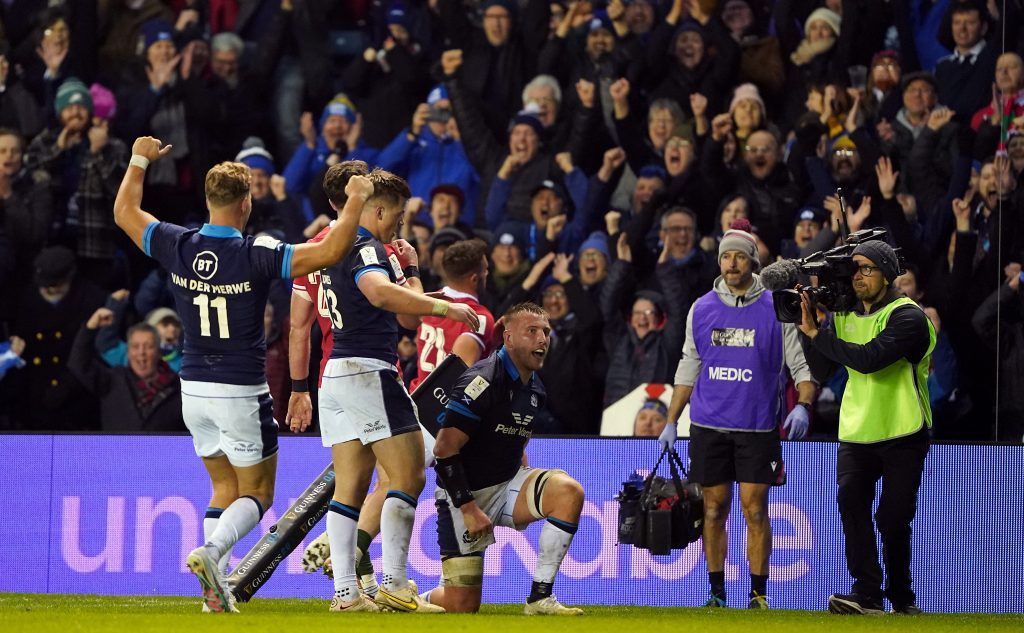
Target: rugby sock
396,521
717,580
209,527
555,538
341,534
364,566
235,522
759,584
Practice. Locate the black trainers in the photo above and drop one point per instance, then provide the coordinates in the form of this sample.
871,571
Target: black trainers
757,601
907,609
854,604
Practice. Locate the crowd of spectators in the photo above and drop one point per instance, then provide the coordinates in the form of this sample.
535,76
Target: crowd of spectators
600,148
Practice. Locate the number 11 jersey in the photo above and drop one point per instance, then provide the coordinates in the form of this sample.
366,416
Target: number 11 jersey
220,281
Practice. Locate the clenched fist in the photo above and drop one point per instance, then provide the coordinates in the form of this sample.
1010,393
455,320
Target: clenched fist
151,148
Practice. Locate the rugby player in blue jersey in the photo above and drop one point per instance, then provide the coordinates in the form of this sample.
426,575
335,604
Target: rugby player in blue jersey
221,280
366,414
483,481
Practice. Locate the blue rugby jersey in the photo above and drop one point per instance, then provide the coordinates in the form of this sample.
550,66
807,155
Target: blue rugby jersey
491,405
220,281
359,329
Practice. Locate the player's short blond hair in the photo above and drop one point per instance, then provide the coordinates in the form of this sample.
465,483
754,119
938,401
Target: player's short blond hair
527,307
227,183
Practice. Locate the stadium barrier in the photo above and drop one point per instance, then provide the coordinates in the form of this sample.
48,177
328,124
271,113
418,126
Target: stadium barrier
118,514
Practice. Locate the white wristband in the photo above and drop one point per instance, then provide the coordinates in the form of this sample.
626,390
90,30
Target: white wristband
140,161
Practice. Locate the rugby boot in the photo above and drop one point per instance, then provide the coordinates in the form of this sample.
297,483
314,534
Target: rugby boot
406,600
550,606
361,603
216,594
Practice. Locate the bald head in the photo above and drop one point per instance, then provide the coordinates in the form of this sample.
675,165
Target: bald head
1009,73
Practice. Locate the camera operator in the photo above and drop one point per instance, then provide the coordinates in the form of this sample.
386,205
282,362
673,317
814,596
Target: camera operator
885,343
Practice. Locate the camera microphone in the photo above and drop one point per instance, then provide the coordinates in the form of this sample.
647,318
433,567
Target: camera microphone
779,275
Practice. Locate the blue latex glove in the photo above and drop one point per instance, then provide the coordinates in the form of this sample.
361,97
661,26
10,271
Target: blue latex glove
8,359
668,436
797,422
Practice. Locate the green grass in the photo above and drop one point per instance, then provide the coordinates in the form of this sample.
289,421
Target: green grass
32,613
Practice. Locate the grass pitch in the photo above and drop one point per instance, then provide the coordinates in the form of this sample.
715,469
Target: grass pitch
44,613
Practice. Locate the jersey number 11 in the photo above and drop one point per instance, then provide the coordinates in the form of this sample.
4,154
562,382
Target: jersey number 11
220,304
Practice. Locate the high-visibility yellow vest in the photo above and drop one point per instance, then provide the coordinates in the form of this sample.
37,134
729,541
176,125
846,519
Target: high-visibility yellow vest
891,402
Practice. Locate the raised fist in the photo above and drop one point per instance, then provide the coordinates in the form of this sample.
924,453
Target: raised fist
721,125
151,148
359,187
585,91
564,160
102,317
450,61
619,89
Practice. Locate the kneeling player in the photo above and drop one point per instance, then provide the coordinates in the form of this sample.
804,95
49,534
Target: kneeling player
481,480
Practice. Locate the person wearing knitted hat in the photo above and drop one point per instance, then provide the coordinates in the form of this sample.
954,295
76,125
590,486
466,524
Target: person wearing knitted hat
593,259
338,136
732,375
885,342
844,162
273,208
600,35
885,72
808,223
747,110
920,95
525,133
73,104
498,16
822,24
650,420
821,30
399,22
160,53
80,155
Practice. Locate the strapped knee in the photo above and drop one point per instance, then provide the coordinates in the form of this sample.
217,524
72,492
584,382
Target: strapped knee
535,491
463,571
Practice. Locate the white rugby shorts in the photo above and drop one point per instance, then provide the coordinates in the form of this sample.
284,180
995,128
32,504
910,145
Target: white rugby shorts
363,399
232,420
497,502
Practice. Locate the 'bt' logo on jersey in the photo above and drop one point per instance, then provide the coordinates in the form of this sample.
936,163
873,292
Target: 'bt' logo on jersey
205,265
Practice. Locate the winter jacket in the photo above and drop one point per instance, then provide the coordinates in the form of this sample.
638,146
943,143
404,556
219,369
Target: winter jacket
633,361
428,161
115,388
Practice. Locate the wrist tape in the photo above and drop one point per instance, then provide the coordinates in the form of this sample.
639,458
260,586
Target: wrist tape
453,477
